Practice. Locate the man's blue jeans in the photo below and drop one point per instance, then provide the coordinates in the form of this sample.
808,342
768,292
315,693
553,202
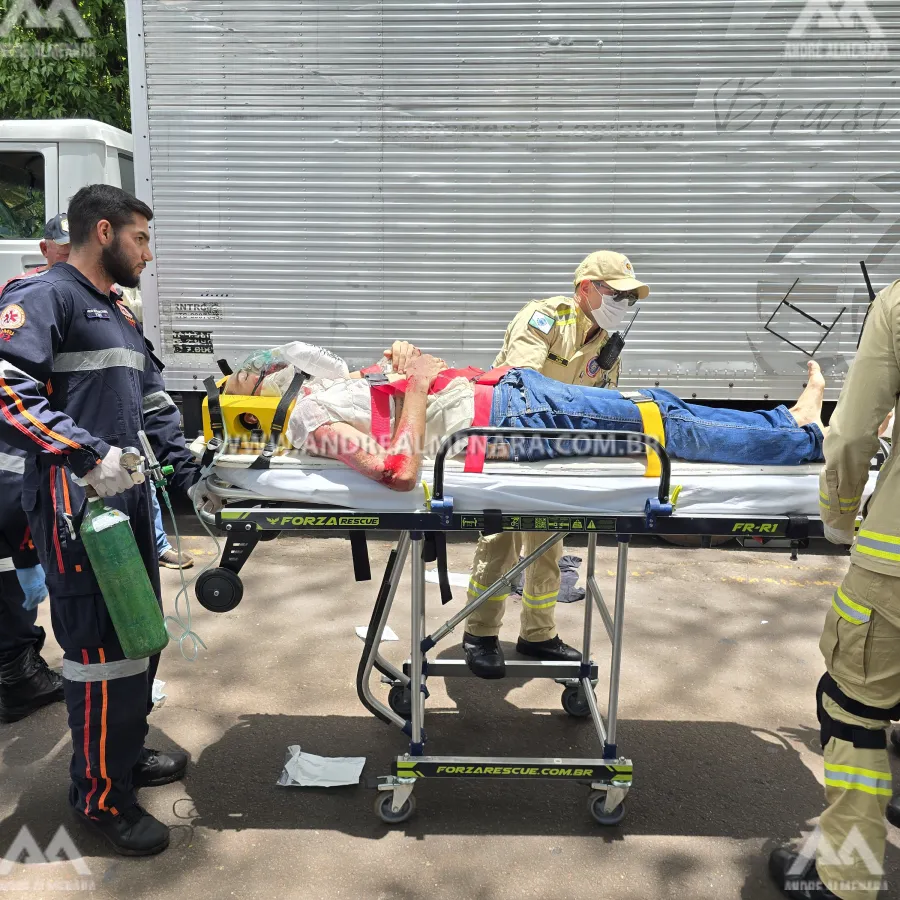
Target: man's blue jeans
526,399
162,542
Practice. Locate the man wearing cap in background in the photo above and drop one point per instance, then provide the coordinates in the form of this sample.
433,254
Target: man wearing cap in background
562,338
54,247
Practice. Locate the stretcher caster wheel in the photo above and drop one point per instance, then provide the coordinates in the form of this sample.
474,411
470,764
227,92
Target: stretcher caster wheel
575,703
596,801
268,535
384,811
400,700
219,590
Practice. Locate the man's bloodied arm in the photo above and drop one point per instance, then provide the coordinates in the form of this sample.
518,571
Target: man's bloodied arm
396,466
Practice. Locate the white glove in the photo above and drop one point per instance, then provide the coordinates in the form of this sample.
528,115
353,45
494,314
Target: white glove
839,537
109,477
203,498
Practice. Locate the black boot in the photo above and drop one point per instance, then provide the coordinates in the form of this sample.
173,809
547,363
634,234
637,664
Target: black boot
484,657
797,878
554,649
155,768
893,811
133,832
27,684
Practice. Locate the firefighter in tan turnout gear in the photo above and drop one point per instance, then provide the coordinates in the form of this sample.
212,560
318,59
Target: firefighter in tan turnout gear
859,695
562,338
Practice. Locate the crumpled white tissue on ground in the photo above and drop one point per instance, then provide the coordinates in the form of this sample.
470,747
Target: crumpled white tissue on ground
309,770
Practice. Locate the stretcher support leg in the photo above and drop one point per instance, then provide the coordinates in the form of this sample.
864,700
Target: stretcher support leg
417,619
588,607
615,669
587,687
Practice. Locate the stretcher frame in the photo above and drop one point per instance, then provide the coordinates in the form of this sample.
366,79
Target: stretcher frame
610,776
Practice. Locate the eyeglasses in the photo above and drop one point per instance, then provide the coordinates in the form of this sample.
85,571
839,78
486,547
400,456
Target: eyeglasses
616,296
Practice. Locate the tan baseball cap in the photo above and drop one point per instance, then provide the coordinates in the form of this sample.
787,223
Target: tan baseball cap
613,268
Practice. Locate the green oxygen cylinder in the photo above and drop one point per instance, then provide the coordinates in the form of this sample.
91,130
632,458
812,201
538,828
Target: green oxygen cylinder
124,583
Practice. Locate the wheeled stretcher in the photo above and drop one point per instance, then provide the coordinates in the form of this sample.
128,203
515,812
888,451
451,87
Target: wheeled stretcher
610,497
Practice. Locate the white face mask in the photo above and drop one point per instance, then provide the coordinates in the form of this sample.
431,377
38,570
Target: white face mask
610,314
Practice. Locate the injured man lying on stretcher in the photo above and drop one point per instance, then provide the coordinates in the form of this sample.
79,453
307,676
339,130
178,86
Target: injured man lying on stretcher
385,430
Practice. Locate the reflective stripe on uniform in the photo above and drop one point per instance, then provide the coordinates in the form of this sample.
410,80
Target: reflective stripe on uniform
107,671
10,463
156,401
476,588
93,360
566,317
538,601
7,565
882,546
19,409
845,504
853,779
854,613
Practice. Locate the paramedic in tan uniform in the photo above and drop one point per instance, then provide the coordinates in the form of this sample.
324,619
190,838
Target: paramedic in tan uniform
559,337
859,695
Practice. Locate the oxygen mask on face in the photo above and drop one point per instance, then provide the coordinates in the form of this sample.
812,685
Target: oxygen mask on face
250,377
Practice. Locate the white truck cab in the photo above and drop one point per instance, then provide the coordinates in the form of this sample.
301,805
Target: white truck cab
43,163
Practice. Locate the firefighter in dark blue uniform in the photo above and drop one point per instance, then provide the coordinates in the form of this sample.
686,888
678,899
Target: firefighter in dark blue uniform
26,683
77,382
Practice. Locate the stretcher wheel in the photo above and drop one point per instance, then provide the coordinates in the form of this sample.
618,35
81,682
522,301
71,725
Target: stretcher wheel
575,703
268,535
384,811
219,590
400,700
596,801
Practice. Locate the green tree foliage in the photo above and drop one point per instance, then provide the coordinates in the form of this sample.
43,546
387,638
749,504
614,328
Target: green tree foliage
52,72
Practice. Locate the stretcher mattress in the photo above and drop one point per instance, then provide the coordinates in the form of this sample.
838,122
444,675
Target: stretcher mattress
614,486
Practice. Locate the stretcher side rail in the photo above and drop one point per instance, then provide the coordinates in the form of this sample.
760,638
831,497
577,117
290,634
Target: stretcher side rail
283,516
606,444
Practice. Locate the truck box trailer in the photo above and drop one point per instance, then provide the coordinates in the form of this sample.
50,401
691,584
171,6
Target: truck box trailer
349,173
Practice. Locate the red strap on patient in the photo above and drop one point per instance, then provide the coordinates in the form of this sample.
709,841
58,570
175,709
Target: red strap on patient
381,401
484,396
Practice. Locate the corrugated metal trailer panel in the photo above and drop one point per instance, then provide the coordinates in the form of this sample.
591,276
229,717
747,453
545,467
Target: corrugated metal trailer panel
351,173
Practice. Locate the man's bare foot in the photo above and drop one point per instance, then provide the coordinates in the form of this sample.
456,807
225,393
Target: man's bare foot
808,408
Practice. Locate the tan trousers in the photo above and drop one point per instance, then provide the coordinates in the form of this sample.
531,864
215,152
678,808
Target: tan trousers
861,646
497,554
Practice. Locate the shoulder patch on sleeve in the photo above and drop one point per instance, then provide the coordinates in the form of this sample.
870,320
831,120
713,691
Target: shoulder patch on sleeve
542,322
12,317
